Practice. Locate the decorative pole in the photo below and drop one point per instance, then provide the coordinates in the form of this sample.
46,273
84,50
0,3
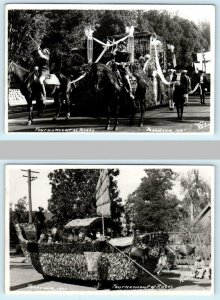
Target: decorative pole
89,33
130,31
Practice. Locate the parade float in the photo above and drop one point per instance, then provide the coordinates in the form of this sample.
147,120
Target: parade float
92,254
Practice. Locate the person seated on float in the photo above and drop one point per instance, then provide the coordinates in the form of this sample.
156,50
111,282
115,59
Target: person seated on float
50,238
42,238
42,67
121,56
82,235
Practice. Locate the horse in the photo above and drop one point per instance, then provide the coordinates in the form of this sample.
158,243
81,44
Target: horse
106,84
30,89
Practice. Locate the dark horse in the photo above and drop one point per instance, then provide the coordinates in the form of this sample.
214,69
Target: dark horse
29,87
106,84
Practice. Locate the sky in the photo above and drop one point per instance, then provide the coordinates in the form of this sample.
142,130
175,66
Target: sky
128,180
196,13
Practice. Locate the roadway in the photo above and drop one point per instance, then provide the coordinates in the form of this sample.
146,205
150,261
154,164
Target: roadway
196,118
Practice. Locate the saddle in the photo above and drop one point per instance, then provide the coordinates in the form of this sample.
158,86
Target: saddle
51,79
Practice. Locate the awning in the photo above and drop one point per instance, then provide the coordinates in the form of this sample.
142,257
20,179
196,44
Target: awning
76,223
121,241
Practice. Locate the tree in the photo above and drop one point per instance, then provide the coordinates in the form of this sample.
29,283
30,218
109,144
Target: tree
73,194
17,215
185,35
197,193
63,30
152,207
205,31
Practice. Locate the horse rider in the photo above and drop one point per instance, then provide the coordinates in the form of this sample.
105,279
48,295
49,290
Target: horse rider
141,61
121,56
42,67
185,83
203,86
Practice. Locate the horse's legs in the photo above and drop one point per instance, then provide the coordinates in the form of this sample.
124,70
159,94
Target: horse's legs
67,106
133,110
141,124
141,101
58,104
30,112
116,117
107,126
40,105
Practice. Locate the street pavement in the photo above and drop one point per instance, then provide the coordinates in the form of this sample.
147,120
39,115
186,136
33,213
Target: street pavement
196,118
24,278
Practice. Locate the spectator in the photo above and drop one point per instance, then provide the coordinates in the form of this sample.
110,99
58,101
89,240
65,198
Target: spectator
198,269
185,83
141,61
162,263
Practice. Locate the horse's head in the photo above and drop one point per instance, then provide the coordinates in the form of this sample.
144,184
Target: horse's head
17,71
97,79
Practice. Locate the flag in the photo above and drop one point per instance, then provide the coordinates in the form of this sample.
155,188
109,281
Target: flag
103,201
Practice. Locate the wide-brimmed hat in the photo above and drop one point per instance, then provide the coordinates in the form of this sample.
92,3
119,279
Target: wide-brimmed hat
198,258
40,208
122,43
147,56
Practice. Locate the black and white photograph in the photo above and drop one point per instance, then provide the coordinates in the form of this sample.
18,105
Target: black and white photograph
145,69
109,229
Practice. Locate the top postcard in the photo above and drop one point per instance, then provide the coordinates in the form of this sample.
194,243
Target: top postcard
145,69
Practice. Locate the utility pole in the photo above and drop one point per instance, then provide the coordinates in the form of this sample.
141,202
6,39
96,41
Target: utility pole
30,178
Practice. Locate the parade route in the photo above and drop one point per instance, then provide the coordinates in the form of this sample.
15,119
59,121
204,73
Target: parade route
174,279
196,118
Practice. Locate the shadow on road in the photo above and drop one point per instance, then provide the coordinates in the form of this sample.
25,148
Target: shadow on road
25,285
25,267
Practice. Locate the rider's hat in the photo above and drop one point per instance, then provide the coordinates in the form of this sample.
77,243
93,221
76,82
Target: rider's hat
122,43
147,56
46,51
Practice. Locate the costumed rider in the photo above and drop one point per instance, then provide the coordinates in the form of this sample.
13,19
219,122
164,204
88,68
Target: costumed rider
42,67
121,56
